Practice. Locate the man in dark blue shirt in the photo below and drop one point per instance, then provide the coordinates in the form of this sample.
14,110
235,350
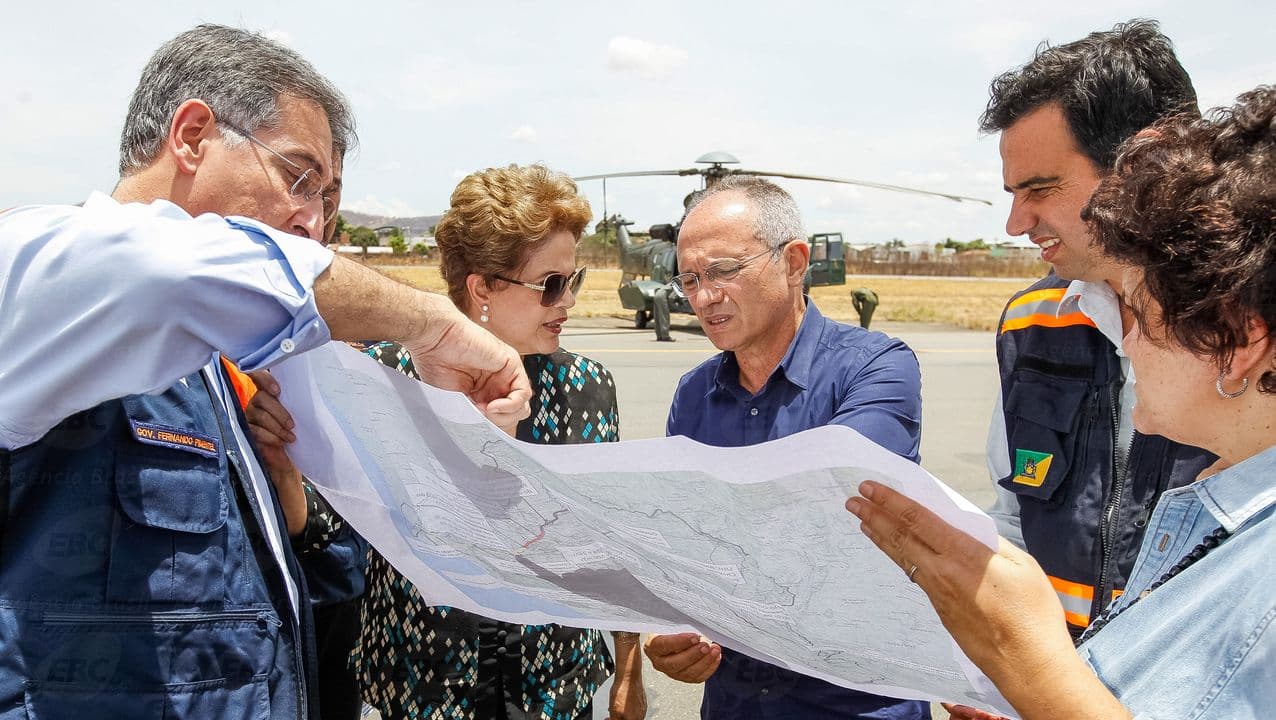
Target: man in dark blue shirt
784,368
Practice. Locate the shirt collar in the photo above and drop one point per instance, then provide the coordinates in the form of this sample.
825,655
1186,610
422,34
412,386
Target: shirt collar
1240,492
803,350
97,199
796,364
1099,302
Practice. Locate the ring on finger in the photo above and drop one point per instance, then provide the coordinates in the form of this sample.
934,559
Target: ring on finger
911,572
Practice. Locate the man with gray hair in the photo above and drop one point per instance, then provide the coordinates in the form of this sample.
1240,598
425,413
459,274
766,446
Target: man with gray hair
145,562
784,368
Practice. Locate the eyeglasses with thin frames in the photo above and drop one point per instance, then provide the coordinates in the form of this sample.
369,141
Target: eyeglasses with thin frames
308,184
715,273
553,286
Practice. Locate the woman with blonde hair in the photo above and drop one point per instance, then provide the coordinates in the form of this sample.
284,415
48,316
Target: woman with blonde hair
508,255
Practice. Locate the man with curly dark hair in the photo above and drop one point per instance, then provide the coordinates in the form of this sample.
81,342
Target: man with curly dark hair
1190,213
1075,482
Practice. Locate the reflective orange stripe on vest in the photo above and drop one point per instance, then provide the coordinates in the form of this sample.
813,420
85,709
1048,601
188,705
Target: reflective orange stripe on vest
1041,307
244,386
1077,599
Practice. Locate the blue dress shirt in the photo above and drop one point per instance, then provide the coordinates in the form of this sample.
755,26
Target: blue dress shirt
1202,645
832,374
109,299
106,300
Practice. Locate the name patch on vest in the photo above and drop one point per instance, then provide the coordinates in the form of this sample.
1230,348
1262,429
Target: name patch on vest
1031,467
175,438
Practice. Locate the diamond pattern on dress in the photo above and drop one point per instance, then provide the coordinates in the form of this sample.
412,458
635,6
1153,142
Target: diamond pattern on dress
422,662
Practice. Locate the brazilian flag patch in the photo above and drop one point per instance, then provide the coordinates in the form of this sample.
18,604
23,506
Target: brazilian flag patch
1031,467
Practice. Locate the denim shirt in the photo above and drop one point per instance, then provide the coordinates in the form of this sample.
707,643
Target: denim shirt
110,299
832,374
1200,646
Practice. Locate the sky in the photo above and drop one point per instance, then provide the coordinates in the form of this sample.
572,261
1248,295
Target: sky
887,93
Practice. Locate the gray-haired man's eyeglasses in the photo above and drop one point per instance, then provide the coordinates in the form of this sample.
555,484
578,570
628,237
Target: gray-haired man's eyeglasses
715,273
307,184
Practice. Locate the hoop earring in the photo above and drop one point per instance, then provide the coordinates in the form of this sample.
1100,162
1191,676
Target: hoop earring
484,318
1218,385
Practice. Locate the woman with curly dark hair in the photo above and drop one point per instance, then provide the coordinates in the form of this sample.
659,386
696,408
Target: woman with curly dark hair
1191,208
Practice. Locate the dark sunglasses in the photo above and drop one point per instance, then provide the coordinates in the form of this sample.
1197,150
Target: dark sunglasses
553,286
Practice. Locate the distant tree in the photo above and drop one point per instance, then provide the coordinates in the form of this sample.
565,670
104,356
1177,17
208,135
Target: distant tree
961,247
363,237
605,227
601,243
603,237
343,227
398,245
421,249
895,243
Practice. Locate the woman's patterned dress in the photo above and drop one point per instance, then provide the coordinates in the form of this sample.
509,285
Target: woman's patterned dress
439,663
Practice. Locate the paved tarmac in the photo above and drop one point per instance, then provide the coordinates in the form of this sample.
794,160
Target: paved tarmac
959,385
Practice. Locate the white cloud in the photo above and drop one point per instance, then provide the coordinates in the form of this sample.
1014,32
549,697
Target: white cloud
372,205
524,133
648,60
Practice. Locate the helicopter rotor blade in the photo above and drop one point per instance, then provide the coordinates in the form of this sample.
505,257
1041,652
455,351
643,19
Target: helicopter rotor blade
863,183
638,173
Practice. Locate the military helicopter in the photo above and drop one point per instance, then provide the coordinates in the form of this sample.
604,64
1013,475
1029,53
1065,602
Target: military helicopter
647,268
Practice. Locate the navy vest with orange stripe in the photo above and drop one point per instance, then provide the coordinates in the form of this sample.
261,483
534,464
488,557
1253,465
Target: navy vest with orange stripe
1082,509
135,580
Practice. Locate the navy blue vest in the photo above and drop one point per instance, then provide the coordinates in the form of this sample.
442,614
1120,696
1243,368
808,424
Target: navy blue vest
1083,509
134,580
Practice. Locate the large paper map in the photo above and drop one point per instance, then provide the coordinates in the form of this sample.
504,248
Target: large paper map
750,546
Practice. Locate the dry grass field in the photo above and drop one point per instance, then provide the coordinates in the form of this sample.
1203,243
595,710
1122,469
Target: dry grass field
973,303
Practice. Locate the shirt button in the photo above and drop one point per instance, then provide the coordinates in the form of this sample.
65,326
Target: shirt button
766,691
753,411
502,650
287,345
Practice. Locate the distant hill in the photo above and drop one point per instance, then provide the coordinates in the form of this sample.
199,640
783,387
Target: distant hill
417,226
